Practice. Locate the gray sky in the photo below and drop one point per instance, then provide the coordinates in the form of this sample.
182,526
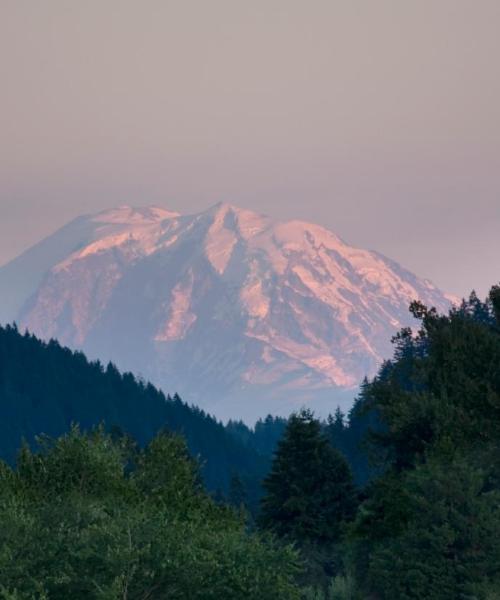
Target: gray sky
379,119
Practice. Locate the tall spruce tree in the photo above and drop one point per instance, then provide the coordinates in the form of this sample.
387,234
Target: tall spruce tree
309,491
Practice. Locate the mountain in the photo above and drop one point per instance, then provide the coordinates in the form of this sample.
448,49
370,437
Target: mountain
240,314
44,388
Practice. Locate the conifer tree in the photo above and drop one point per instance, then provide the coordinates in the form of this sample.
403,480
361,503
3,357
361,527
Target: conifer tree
429,526
309,491
237,492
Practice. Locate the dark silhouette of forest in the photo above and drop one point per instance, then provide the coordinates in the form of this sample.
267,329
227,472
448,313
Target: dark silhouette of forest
44,388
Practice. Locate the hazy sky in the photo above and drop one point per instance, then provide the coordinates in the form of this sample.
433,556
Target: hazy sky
379,119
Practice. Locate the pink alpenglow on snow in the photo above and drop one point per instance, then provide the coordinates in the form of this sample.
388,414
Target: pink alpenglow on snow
240,314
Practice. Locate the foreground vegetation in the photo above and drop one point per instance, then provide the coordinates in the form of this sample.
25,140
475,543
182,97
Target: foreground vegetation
95,517
399,502
427,524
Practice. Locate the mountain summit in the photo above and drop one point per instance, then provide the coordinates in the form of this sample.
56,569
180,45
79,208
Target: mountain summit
240,314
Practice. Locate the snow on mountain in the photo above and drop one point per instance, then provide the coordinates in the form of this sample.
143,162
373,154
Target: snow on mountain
240,314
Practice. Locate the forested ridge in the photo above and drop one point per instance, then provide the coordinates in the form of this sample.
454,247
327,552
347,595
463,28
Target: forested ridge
44,388
399,500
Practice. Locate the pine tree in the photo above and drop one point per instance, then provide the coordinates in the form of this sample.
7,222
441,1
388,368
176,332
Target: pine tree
309,491
336,430
237,492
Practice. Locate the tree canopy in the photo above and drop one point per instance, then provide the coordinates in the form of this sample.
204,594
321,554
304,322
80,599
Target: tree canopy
430,524
94,516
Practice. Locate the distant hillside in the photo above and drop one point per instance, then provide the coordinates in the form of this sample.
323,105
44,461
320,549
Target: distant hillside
45,387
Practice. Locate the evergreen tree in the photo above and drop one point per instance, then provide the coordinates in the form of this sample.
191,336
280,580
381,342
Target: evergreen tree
267,434
429,526
309,491
237,492
443,385
336,427
264,437
45,387
449,546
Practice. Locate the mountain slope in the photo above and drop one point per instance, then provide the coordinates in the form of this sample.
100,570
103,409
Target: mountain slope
239,313
44,388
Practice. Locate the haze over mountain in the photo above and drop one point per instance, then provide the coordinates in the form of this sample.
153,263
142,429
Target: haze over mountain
240,314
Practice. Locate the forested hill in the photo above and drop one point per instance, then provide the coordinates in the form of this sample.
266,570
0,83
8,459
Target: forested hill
45,387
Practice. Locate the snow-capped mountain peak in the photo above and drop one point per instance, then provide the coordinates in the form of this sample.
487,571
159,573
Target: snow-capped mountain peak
239,313
134,216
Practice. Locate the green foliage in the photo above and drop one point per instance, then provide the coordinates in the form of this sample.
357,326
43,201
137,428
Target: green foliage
450,545
97,516
91,516
341,587
344,587
309,495
443,388
430,524
309,491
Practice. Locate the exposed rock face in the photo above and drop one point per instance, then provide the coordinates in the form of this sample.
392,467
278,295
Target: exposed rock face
240,314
